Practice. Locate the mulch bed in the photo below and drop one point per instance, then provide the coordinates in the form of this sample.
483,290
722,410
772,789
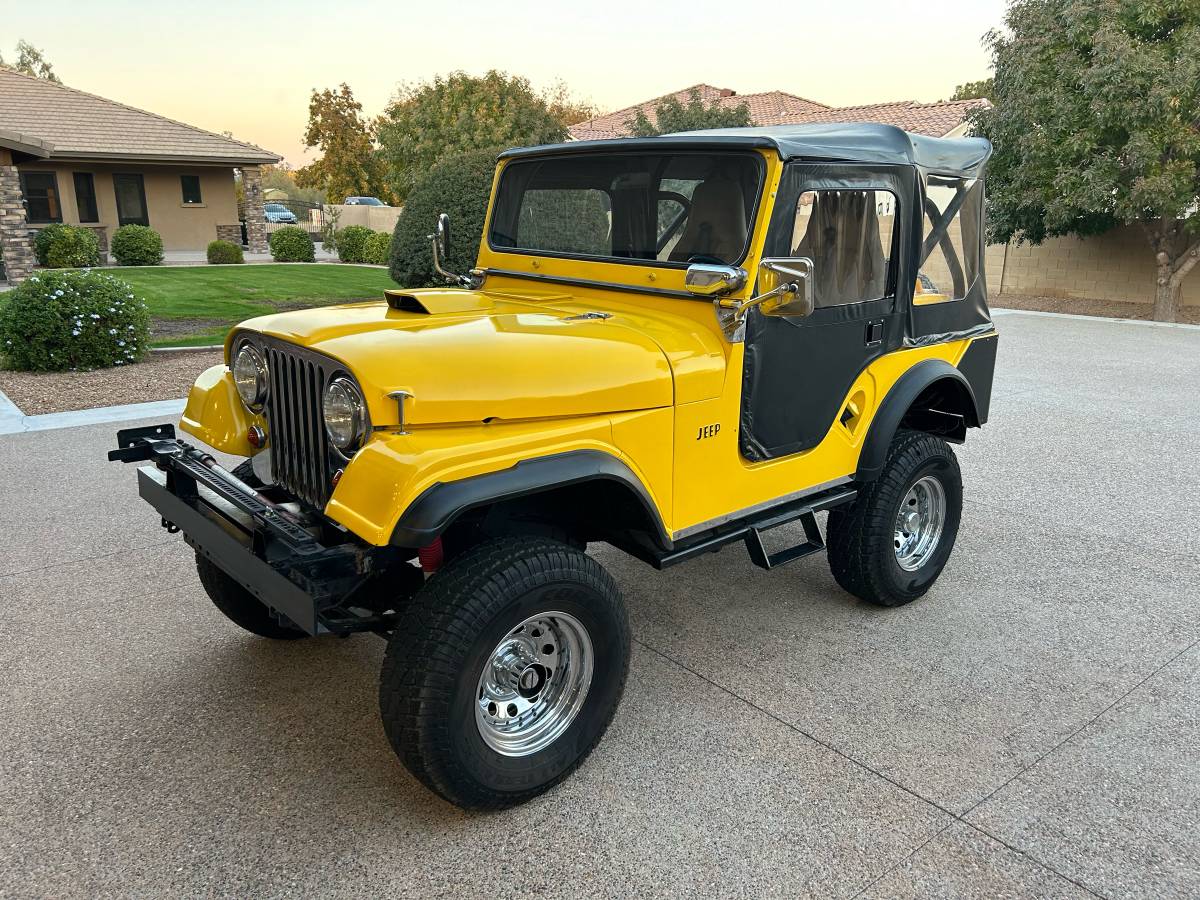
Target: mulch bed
163,376
1111,309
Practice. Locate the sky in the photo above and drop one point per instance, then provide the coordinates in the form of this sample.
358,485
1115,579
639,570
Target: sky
250,67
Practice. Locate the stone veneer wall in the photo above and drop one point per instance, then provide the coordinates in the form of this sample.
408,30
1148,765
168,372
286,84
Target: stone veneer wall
256,215
231,233
15,243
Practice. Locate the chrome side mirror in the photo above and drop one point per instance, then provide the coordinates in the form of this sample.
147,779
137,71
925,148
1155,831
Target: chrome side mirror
786,287
443,235
440,244
707,280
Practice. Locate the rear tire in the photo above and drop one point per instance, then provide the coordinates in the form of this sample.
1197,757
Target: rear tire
891,544
505,671
240,606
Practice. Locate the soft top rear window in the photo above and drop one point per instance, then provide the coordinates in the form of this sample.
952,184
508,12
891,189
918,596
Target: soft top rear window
669,209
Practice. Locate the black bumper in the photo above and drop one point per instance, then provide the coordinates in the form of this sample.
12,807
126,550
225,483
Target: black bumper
268,551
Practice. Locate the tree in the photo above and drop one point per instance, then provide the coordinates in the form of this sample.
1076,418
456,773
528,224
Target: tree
670,116
31,61
459,112
349,165
568,110
1097,123
282,177
973,89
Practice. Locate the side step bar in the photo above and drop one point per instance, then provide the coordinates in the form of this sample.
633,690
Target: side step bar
813,543
750,531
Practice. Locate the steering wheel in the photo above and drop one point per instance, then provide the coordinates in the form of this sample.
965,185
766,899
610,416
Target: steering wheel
702,258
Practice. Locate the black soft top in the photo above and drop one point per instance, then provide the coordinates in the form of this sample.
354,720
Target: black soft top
846,142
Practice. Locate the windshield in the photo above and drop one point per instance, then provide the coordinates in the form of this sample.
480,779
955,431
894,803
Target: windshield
666,208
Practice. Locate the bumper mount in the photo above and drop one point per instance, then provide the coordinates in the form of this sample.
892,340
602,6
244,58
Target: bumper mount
271,551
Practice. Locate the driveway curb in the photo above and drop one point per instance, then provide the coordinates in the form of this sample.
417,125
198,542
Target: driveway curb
13,421
1001,311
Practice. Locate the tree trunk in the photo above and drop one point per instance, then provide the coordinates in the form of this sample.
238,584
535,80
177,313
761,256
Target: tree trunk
1166,291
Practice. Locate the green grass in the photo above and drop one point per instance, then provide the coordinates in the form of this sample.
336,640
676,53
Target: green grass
199,304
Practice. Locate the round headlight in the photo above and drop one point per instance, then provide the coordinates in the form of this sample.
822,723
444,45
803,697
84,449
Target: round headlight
250,376
345,414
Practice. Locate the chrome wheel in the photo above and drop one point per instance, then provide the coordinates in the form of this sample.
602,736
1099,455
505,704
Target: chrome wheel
919,523
534,683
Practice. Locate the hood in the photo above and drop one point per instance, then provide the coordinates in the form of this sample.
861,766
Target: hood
474,356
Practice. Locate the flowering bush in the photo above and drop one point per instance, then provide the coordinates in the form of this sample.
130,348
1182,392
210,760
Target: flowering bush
72,320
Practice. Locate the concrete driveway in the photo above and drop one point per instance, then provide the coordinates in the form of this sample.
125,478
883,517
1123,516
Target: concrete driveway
1031,727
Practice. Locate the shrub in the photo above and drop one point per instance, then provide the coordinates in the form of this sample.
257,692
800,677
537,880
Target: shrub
137,245
72,320
352,243
42,241
224,252
292,244
458,185
379,245
73,248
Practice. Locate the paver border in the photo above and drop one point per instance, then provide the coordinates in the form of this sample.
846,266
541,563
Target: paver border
14,421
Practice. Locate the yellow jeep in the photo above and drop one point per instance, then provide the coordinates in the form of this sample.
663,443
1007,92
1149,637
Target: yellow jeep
668,345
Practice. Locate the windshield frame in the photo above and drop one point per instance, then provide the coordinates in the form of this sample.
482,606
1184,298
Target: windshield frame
752,216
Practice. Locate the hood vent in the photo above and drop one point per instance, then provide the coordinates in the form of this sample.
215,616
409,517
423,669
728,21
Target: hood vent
429,302
404,302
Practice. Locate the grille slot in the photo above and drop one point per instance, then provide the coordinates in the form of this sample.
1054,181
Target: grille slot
299,447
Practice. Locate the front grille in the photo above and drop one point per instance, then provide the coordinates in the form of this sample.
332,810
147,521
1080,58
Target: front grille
300,451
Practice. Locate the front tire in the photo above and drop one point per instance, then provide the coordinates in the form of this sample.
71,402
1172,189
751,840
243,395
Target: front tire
240,606
505,671
891,544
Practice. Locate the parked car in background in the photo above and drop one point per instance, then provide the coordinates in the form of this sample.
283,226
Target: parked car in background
364,201
278,213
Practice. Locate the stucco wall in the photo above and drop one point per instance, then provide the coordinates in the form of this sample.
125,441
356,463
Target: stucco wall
1117,265
377,218
182,227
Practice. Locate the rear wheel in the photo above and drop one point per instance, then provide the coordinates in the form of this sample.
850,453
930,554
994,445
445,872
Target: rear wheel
891,544
240,606
505,671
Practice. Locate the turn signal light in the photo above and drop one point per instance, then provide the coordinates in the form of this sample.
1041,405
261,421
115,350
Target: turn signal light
256,437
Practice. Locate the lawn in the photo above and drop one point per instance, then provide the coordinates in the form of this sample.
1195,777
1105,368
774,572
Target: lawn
197,305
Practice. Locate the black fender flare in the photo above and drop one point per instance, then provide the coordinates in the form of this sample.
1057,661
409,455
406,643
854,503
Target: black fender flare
897,403
436,508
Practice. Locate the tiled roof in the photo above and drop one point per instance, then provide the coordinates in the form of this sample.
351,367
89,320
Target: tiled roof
778,108
765,109
934,119
72,124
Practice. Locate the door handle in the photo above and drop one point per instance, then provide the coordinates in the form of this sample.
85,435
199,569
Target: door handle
874,333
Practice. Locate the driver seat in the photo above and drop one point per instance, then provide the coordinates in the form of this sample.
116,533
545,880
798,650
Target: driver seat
716,224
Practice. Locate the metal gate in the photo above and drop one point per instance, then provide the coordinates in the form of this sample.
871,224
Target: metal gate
281,213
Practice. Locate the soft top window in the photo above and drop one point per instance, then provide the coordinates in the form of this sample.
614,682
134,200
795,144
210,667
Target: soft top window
950,254
665,208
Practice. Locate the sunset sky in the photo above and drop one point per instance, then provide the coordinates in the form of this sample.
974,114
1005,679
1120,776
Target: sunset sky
249,67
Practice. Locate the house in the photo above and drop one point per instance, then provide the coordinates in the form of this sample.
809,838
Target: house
69,156
942,119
